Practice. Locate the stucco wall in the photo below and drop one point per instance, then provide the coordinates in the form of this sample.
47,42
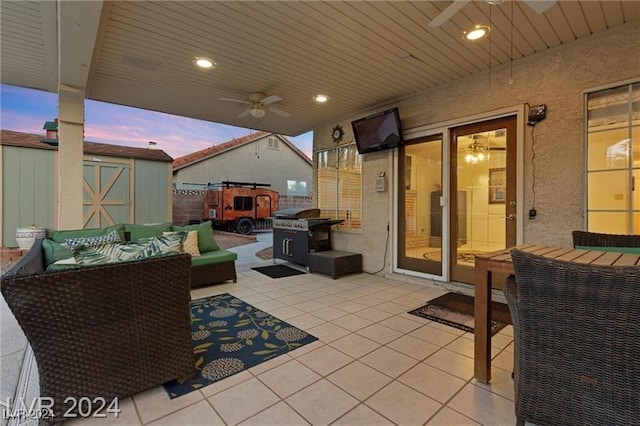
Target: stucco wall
558,78
254,162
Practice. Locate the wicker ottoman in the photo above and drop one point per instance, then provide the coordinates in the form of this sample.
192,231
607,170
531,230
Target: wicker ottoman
335,263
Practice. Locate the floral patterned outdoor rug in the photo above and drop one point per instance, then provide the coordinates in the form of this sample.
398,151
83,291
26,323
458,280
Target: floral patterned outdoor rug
230,336
456,310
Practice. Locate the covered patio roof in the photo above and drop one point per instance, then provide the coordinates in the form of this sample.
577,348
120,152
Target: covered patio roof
361,54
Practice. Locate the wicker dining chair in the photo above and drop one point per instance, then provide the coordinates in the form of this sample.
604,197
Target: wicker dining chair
576,342
594,239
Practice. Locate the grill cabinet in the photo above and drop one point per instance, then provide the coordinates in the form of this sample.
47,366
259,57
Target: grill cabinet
298,232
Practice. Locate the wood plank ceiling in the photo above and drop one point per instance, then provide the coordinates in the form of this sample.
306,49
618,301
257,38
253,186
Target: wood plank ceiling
361,54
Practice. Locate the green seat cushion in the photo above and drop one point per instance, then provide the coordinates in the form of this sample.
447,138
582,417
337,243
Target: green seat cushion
206,241
631,250
60,236
146,231
54,251
216,256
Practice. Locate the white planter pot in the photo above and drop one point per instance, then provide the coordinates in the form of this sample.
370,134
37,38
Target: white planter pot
26,236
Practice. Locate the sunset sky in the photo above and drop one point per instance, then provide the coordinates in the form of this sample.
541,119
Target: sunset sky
26,110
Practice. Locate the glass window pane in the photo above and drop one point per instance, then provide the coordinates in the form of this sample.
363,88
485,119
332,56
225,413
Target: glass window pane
635,145
608,107
635,105
340,185
608,222
481,178
423,213
327,183
349,188
635,191
636,223
613,148
608,190
608,149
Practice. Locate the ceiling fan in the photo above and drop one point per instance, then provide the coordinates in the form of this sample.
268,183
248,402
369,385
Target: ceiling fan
259,104
538,6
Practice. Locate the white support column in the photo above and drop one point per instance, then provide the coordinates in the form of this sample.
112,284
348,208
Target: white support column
77,25
70,153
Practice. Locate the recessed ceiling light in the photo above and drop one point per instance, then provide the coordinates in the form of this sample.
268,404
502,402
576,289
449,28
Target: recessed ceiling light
477,32
321,98
205,63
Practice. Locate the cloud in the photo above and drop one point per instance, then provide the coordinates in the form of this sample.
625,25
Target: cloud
23,122
26,110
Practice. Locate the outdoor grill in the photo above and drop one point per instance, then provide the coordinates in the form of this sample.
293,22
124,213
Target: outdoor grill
298,232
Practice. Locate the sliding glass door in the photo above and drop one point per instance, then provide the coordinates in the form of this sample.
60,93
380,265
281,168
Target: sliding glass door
420,206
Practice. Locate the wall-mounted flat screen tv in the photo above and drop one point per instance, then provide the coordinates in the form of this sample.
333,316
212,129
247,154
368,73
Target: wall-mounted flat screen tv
378,131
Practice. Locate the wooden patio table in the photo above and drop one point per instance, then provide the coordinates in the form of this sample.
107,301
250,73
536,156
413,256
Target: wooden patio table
500,261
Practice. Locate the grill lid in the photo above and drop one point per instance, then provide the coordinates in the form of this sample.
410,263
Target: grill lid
296,213
323,223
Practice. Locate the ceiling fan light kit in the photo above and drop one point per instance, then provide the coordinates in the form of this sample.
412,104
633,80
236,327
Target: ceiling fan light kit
475,153
257,112
259,104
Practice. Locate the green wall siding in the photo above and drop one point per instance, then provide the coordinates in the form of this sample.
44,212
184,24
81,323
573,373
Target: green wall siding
28,190
151,192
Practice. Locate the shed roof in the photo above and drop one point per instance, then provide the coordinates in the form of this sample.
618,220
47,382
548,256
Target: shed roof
212,151
29,140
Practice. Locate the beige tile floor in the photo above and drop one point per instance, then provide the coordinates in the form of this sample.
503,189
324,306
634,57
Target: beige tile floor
374,364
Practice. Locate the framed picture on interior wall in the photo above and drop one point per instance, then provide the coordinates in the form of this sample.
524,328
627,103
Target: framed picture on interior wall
498,185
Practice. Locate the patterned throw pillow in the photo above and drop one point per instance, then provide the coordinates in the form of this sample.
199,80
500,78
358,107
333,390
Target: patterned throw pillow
119,252
111,237
165,244
189,244
87,256
104,253
206,240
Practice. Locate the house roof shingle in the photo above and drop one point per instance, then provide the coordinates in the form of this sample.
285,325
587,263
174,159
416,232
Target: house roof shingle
214,150
29,140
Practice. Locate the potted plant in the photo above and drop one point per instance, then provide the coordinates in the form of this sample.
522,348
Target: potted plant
25,236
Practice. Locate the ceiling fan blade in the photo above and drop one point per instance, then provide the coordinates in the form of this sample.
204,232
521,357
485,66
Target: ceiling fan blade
446,14
244,113
279,112
234,100
270,99
540,6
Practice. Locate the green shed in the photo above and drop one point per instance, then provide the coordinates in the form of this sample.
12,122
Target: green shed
121,184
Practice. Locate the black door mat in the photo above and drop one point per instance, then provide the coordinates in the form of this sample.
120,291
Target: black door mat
456,310
278,271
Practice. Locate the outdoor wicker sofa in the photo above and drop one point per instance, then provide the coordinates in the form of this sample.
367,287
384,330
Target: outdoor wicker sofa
212,264
103,331
576,341
594,239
